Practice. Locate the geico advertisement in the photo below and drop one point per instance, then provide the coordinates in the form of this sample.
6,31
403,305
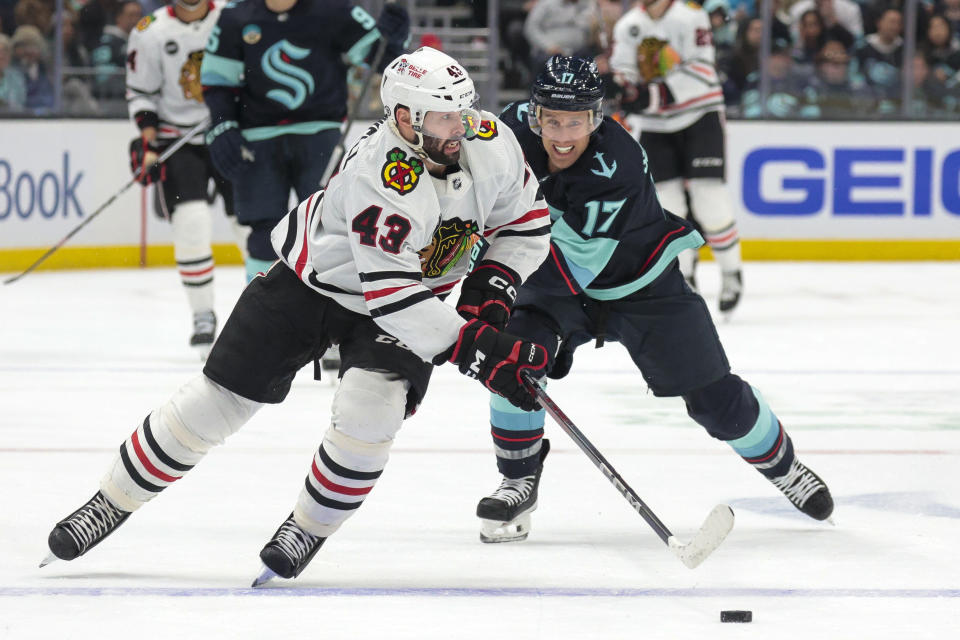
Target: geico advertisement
845,180
54,174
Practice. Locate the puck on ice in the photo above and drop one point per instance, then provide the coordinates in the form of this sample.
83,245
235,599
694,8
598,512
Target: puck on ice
736,616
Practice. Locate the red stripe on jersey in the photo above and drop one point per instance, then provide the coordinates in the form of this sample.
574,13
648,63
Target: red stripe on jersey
533,214
302,258
339,488
707,71
657,250
683,105
379,293
145,461
556,259
445,287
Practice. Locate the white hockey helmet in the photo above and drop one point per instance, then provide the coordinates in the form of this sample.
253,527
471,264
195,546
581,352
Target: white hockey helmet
429,80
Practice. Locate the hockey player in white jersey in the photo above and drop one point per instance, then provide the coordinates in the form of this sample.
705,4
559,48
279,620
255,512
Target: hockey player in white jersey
365,264
165,100
663,62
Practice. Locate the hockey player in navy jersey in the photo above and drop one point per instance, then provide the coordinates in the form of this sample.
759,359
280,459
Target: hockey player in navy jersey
275,79
364,263
612,275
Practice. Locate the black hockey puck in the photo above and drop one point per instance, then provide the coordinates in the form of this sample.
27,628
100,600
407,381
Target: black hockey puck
736,616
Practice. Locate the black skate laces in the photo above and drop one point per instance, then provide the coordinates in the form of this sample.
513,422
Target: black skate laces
798,484
514,490
91,522
294,542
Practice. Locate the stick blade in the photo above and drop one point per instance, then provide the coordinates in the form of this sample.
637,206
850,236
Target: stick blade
713,532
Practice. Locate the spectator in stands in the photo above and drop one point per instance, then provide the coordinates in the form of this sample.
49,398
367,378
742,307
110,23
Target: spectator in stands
92,20
790,94
560,27
877,62
811,37
110,56
37,13
845,13
931,97
77,95
743,60
13,87
941,50
724,29
950,9
836,97
29,53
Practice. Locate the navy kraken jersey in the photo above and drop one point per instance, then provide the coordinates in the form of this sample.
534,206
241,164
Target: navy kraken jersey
609,236
289,70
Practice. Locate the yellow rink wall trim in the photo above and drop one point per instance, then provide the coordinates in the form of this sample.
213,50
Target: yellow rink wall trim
227,254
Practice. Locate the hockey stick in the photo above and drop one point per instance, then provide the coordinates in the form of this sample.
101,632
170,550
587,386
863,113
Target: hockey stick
715,528
163,158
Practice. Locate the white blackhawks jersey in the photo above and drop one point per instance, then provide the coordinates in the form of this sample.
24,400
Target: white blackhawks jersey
386,238
687,70
163,69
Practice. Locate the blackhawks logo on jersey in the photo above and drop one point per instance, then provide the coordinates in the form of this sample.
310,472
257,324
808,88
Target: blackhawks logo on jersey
190,77
655,58
401,173
451,241
487,130
145,22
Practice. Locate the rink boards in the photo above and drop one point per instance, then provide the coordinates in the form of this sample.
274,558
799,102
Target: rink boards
804,191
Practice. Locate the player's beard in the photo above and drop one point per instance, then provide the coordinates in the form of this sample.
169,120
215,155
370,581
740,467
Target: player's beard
433,147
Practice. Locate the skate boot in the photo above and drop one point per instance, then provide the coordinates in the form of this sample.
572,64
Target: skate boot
330,360
204,330
805,490
84,529
288,553
505,513
731,286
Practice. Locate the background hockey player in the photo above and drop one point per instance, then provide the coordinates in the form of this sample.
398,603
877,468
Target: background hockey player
663,61
275,79
398,223
165,100
612,275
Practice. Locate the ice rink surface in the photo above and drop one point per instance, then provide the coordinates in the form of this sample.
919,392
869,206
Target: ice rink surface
860,361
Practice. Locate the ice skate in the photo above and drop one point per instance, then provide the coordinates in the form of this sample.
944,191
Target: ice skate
330,360
288,553
505,514
204,331
805,490
84,529
731,286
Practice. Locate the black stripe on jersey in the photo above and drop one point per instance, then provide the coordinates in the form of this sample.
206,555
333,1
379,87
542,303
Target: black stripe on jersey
312,278
343,472
393,307
134,474
160,453
197,284
387,275
526,176
324,501
292,233
539,231
189,263
142,92
699,77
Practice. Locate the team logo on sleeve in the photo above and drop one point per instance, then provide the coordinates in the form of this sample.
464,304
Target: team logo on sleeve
251,34
145,22
401,173
487,130
190,77
451,241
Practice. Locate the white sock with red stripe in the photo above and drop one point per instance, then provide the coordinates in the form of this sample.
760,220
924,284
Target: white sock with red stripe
192,236
713,209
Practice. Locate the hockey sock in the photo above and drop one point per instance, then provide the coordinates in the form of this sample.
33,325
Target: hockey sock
713,209
192,235
517,437
725,245
767,446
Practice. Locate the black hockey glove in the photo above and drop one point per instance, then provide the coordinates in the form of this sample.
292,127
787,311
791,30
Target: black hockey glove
394,24
139,150
496,359
227,150
488,293
633,98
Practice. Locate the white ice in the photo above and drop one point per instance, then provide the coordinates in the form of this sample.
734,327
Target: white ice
860,361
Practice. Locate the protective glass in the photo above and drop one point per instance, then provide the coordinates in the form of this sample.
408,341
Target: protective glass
563,125
452,125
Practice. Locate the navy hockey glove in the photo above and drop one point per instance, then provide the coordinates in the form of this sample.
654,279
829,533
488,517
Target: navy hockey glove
394,24
488,294
230,156
140,149
496,359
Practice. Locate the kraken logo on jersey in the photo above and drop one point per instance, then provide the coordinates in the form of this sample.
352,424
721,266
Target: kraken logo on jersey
487,130
401,173
451,241
190,76
277,65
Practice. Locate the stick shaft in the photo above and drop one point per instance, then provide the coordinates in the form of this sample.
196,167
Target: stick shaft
163,157
598,460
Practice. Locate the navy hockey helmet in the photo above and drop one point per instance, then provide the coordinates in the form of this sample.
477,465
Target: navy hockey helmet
567,83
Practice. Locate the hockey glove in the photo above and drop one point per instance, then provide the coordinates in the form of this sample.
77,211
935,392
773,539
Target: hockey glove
496,359
394,24
227,150
143,156
488,293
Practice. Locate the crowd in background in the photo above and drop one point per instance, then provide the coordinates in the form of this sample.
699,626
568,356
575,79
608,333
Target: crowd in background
829,59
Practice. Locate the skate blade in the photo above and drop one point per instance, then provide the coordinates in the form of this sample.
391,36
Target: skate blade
266,575
49,559
496,531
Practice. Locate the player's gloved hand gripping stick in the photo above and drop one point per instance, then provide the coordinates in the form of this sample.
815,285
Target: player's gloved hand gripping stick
715,528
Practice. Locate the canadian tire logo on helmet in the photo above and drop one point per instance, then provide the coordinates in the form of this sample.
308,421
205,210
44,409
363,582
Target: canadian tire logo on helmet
401,173
487,130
